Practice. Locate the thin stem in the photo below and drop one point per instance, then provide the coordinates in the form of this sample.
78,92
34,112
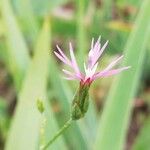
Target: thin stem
66,125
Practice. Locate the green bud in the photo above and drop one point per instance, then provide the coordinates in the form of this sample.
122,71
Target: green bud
81,101
40,106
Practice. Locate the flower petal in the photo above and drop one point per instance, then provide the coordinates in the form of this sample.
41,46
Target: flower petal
113,63
95,54
95,67
103,48
70,74
69,78
90,72
92,43
98,55
61,58
73,60
110,72
97,45
62,54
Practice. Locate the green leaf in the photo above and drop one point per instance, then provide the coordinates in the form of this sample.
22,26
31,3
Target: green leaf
115,118
17,54
24,132
28,20
1,27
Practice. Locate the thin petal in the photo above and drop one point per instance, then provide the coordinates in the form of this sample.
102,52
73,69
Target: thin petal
103,48
70,74
69,78
96,54
67,72
90,72
113,63
62,54
94,69
93,52
97,45
61,58
110,72
73,60
85,68
92,43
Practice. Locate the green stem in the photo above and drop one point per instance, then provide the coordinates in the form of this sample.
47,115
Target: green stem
66,125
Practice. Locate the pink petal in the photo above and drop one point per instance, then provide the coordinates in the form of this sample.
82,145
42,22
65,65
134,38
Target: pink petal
61,58
73,60
97,45
103,48
62,54
67,72
98,55
110,72
94,68
71,75
93,52
113,63
69,78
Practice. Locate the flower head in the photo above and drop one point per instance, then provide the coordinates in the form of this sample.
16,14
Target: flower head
91,65
81,99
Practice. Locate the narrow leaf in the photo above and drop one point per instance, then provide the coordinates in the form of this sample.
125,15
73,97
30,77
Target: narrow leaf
17,54
115,118
24,132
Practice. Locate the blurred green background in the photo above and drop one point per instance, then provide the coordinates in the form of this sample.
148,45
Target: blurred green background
119,114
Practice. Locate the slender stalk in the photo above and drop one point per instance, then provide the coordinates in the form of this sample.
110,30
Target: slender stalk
66,125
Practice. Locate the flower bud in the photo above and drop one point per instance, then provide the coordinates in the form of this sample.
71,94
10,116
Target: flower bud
40,106
81,101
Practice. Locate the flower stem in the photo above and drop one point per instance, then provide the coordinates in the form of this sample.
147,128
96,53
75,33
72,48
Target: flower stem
66,125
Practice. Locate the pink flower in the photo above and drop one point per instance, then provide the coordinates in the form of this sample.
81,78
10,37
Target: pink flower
91,66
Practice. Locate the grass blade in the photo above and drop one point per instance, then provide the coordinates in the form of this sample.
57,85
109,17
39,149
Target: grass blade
115,118
17,54
28,19
24,133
